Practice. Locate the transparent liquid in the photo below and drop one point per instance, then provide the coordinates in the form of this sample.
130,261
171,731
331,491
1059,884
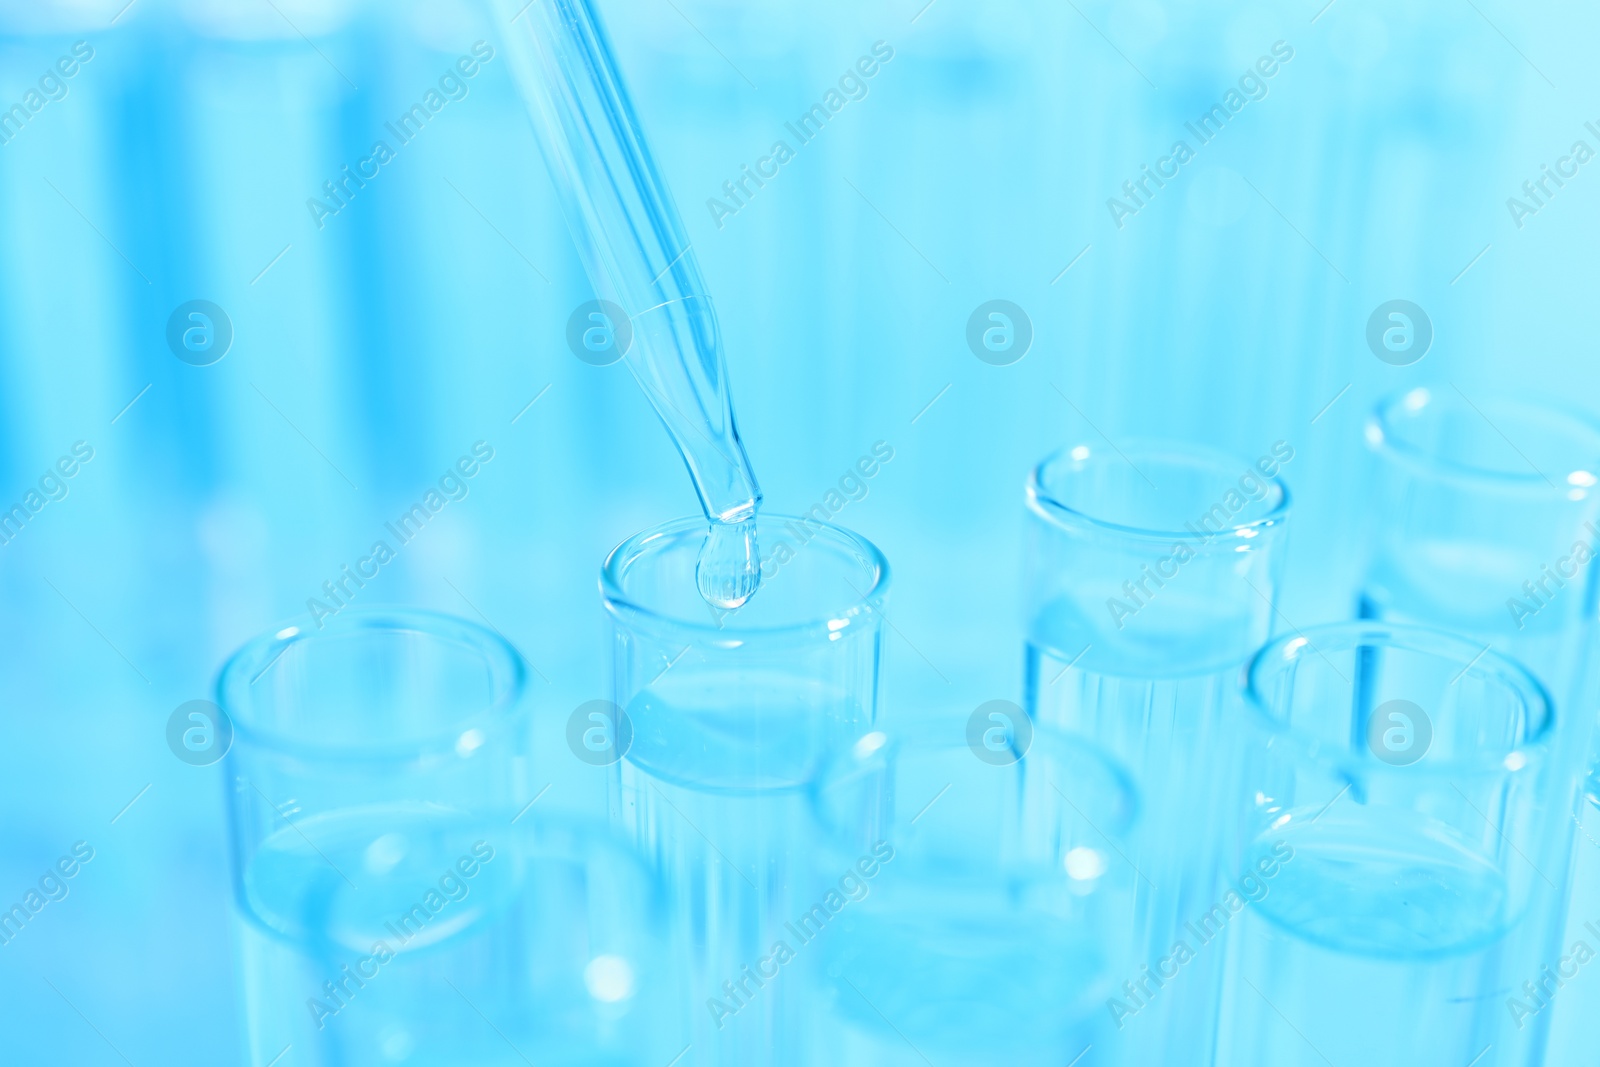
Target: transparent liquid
1467,582
475,977
1383,941
1463,586
766,731
729,570
1173,732
1575,1004
712,789
970,981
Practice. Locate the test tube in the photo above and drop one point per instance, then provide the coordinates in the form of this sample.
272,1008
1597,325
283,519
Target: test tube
1151,576
728,716
391,905
1395,912
1486,519
971,901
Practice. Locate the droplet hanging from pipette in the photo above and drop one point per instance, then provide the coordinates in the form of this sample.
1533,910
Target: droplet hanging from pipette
729,569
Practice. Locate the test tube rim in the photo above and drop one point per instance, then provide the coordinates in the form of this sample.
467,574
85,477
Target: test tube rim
627,611
1533,749
1044,503
1385,440
508,673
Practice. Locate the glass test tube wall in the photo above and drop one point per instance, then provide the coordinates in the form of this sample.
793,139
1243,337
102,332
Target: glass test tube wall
724,718
1474,533
983,890
395,901
1399,900
370,757
1494,539
1151,575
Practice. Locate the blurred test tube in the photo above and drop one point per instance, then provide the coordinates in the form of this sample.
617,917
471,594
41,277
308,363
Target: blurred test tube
720,725
1484,521
1151,574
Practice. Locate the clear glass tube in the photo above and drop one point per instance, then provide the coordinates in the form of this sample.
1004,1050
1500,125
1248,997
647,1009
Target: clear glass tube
1485,515
631,240
1151,578
972,902
392,906
1401,899
730,717
1486,518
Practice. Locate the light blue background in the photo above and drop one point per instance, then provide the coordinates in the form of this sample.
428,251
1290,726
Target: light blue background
425,316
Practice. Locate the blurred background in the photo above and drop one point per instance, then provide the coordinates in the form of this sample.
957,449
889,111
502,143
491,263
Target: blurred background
374,345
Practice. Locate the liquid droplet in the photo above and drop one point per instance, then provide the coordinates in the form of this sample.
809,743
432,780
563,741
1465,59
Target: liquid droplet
729,569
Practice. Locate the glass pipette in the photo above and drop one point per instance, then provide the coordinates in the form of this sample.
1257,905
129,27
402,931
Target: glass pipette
637,255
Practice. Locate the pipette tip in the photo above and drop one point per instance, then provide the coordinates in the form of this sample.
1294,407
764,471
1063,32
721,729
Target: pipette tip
729,570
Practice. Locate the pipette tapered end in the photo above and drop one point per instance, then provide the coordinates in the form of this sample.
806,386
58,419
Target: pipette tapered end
729,570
